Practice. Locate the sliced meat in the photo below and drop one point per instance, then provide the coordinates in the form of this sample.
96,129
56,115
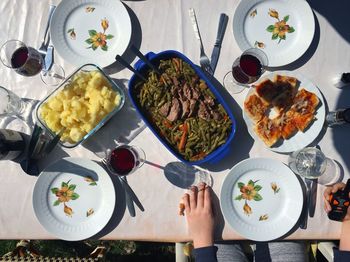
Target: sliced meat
164,109
193,104
187,91
209,100
175,81
203,112
185,108
174,110
216,115
195,93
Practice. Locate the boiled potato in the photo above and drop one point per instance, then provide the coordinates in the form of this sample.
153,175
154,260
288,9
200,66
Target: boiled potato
80,105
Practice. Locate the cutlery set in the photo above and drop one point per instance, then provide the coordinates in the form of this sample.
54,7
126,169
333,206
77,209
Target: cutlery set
207,65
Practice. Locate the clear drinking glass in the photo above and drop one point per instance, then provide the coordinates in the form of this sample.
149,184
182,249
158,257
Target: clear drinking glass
13,111
246,69
27,61
311,163
124,159
10,103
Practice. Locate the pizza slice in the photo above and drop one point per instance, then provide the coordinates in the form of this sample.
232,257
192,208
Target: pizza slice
305,102
287,124
287,87
255,107
266,90
268,131
301,119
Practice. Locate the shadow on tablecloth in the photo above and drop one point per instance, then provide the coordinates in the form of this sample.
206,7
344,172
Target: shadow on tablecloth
122,128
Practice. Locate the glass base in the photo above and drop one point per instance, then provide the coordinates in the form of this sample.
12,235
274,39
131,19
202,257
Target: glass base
332,173
185,176
231,85
54,76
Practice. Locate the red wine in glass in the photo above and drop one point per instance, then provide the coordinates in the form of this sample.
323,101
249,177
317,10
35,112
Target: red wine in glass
123,160
26,61
248,70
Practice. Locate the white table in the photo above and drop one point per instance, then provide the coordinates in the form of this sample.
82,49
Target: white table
162,25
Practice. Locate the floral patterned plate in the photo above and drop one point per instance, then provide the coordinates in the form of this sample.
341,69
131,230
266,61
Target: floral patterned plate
261,199
283,29
74,198
90,31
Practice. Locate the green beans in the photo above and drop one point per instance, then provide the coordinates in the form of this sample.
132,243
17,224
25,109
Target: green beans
192,137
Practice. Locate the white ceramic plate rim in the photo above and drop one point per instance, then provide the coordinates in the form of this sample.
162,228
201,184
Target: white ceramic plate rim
301,139
300,7
58,34
87,228
261,231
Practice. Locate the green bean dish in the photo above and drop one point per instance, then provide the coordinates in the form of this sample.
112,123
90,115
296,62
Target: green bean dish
183,109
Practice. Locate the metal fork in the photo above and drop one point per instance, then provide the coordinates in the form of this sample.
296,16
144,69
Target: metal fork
43,48
204,60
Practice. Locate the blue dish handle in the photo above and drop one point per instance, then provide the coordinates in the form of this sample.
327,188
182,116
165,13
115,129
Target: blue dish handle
140,63
220,156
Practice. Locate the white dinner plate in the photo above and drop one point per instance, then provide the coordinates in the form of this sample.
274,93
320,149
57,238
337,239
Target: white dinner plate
253,27
91,198
277,203
300,139
77,24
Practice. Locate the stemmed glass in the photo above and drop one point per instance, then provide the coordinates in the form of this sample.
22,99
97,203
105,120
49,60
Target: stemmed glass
311,163
246,69
27,61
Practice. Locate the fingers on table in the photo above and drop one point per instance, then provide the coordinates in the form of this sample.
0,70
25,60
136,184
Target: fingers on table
200,196
193,197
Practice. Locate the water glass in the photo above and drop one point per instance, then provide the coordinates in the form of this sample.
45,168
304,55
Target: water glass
246,69
124,159
10,103
311,163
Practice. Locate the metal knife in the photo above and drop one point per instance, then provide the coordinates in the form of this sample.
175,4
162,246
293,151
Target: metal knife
128,200
313,197
131,194
219,37
49,57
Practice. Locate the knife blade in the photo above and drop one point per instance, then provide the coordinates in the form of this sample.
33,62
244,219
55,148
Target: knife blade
128,200
313,197
49,57
132,194
219,37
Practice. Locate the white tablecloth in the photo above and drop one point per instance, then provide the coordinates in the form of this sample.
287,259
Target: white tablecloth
160,25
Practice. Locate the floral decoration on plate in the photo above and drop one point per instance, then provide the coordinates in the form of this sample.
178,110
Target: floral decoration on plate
64,195
90,180
253,13
280,28
264,217
259,44
89,9
249,192
99,39
90,212
275,188
72,33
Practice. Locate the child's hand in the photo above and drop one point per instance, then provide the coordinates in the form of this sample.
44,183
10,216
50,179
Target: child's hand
331,190
199,215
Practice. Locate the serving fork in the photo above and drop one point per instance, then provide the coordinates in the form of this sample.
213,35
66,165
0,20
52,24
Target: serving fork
203,60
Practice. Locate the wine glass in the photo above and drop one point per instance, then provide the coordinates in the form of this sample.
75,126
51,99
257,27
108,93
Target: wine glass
124,159
311,163
246,69
27,61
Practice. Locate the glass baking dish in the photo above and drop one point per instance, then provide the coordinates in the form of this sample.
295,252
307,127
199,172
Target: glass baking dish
84,68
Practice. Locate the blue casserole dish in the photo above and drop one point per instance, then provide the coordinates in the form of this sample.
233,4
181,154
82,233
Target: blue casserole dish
141,67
